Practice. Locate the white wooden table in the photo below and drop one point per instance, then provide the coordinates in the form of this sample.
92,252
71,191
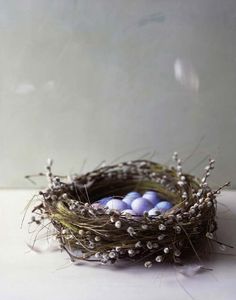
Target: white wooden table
27,275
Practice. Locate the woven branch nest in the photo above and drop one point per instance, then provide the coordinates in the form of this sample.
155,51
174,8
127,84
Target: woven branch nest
101,234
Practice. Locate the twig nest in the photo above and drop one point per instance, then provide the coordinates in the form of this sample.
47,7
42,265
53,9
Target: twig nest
147,211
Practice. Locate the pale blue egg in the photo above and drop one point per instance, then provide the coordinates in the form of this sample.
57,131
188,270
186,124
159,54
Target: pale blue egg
116,204
163,206
129,211
153,212
134,194
104,201
140,205
129,198
152,197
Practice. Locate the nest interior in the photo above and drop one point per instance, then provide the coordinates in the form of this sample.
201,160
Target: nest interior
100,234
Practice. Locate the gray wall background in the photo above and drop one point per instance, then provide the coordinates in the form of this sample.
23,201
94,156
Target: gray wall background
95,79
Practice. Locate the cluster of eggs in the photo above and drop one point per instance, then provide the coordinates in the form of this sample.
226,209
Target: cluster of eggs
136,204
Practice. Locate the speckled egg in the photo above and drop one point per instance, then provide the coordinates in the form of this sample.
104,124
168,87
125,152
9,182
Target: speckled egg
129,211
140,205
163,206
117,204
152,197
130,197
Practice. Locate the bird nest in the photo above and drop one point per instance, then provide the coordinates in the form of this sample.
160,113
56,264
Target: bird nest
97,233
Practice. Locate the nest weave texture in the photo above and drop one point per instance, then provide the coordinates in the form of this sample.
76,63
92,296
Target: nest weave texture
100,234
